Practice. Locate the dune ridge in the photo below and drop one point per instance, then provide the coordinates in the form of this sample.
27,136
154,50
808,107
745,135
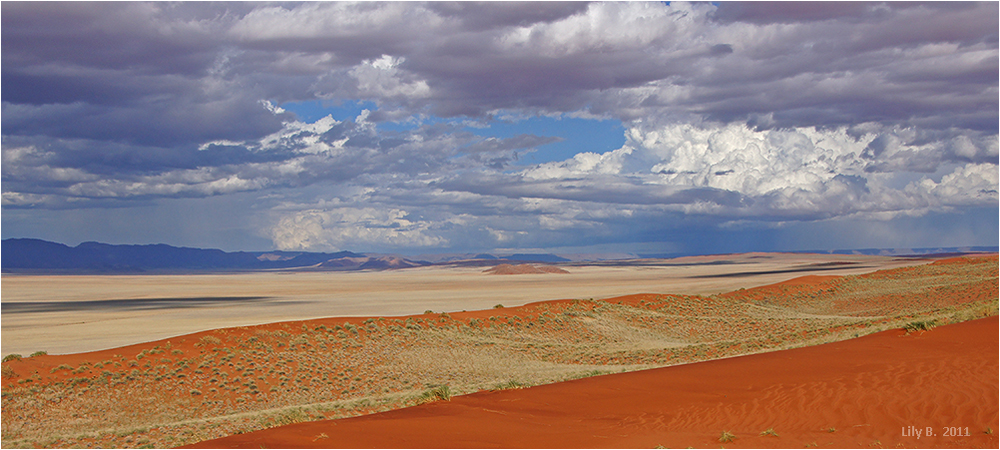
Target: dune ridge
861,393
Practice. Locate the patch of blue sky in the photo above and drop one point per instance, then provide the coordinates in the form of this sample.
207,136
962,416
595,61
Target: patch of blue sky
577,135
310,111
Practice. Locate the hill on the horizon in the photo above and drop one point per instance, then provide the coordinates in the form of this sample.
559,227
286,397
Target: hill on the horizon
37,255
40,255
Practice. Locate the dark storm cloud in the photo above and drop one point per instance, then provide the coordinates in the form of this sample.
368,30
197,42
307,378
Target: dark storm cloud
132,73
598,189
140,37
489,15
793,12
168,74
184,122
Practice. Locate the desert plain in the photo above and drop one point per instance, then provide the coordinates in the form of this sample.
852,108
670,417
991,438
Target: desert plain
77,313
752,350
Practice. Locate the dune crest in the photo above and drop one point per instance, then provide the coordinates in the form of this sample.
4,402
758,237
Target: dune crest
869,392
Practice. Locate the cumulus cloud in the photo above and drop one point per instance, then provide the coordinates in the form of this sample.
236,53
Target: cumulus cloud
347,227
732,171
973,184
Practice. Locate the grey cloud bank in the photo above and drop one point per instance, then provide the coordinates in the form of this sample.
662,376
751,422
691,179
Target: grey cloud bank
752,124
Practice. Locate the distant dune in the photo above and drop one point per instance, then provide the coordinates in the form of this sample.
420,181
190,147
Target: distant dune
521,269
363,263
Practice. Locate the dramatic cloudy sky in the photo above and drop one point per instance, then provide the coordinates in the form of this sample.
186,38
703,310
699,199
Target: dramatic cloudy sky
460,127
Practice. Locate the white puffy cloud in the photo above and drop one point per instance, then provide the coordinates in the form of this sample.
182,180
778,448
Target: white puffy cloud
731,170
972,184
348,227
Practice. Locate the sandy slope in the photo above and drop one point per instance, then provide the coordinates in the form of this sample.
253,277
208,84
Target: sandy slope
864,392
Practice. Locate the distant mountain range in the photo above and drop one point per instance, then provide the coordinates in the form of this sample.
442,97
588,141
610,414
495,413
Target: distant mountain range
36,255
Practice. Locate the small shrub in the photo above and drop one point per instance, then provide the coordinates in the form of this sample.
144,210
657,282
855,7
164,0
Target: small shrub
428,312
12,357
210,340
497,306
435,393
39,353
509,385
727,436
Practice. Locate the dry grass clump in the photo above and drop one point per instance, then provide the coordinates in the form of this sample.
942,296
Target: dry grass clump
228,381
919,325
435,393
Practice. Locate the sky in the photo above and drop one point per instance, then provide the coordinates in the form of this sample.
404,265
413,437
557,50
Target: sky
420,128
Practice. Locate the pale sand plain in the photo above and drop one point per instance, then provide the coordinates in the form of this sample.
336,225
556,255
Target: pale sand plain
64,314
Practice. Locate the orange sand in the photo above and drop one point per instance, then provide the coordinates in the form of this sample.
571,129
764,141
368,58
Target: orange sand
866,392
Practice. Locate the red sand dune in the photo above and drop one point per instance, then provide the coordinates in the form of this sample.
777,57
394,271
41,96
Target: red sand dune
871,392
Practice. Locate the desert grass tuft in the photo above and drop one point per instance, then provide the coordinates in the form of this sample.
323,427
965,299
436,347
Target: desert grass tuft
920,325
209,340
727,436
769,432
509,385
442,392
